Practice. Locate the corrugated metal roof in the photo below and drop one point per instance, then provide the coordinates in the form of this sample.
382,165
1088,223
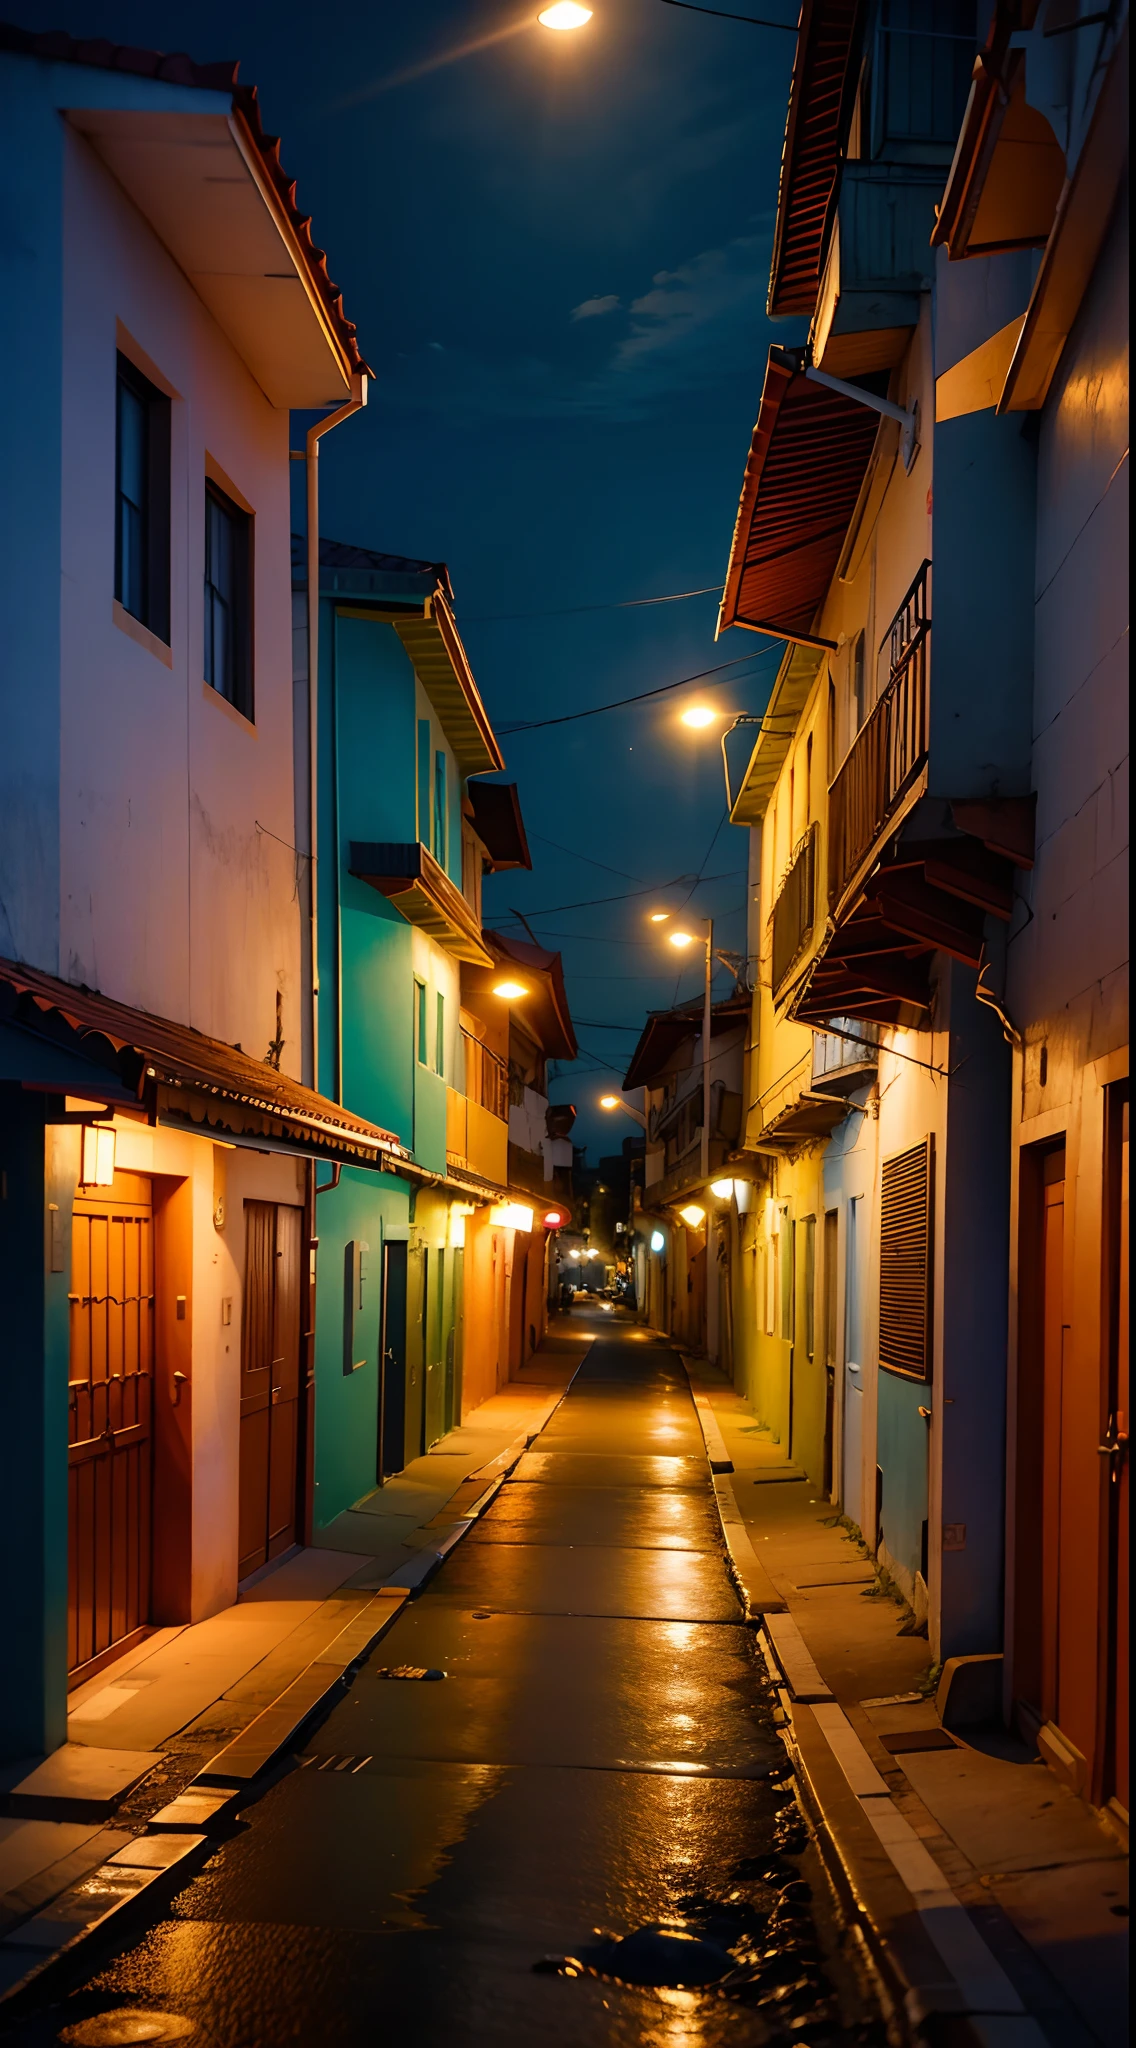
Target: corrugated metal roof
807,459
55,47
184,1076
820,107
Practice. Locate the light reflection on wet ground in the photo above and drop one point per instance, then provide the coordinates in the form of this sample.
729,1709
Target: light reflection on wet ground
599,1759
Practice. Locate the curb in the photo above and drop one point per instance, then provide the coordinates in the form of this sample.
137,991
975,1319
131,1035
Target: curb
755,1588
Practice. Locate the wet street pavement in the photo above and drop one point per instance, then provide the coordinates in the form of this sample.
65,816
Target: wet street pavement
485,1857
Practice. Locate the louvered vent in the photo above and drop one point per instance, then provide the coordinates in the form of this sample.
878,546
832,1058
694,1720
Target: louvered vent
905,1262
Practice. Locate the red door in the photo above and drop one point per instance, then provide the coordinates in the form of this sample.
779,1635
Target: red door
110,1389
270,1385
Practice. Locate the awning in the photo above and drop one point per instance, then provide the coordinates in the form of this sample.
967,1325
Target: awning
440,660
1008,167
497,821
820,108
409,876
544,1010
807,461
178,1075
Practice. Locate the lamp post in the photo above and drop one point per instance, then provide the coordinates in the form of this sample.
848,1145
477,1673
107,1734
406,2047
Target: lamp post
617,1102
682,939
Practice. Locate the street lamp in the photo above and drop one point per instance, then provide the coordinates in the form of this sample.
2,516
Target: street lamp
565,14
617,1102
699,716
509,990
681,940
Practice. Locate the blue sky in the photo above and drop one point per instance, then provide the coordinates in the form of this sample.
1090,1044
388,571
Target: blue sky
555,249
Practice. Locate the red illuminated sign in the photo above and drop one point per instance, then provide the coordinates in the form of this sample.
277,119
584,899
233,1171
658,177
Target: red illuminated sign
554,1218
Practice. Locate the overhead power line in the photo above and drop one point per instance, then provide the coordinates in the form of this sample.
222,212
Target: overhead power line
661,690
575,611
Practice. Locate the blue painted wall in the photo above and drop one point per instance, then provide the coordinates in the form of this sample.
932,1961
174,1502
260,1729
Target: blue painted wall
901,1453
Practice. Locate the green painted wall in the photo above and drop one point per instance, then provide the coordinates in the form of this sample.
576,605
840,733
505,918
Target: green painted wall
347,1403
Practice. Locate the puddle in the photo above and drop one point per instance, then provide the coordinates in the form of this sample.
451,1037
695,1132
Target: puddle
754,1942
115,2029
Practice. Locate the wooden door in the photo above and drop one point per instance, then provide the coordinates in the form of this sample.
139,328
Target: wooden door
1052,1350
110,1409
1115,1447
417,1299
831,1226
270,1385
1071,1491
392,1362
436,1353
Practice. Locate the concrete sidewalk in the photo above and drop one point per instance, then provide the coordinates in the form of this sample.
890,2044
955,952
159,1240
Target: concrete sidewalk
1041,1879
142,1729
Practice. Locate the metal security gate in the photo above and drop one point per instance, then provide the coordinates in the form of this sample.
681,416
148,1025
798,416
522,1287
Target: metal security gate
110,1390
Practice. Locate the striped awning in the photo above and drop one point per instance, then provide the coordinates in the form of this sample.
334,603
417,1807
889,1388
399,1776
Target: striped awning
807,460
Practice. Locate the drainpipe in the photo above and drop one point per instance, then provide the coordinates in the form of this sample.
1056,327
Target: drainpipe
355,403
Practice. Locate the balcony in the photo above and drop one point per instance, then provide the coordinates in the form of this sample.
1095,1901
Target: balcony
886,759
794,912
477,1127
844,1057
422,892
879,262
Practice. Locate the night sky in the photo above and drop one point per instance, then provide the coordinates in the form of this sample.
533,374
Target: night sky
555,249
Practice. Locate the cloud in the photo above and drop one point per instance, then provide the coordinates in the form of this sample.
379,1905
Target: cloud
591,309
694,328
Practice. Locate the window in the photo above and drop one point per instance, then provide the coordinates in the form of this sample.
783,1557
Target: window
142,500
905,1262
420,1019
830,765
425,834
440,1034
808,778
809,1285
228,607
440,819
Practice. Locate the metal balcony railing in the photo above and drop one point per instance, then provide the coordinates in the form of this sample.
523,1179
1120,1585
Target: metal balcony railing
842,1056
486,1077
890,749
795,909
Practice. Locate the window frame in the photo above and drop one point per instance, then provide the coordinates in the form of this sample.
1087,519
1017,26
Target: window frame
151,606
421,1048
439,1032
241,524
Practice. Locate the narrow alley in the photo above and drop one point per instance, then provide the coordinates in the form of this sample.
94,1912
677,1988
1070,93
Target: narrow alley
566,1740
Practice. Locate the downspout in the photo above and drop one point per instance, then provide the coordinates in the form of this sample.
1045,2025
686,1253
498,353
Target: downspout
355,403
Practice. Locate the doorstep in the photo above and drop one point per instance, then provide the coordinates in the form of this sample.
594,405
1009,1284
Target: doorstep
985,1887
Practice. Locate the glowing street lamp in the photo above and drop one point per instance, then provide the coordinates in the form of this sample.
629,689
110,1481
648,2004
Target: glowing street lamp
699,716
509,990
564,16
658,917
681,940
617,1102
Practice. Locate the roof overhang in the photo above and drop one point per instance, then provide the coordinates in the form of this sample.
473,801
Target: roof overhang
495,811
432,640
211,188
177,1075
544,1010
821,96
1008,168
807,461
790,694
407,874
666,1031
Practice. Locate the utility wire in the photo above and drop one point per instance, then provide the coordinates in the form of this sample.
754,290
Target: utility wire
719,13
570,717
656,889
584,857
575,611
